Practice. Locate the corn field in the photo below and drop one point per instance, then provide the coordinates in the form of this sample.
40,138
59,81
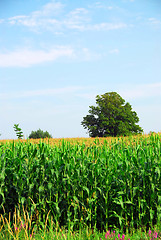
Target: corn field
99,183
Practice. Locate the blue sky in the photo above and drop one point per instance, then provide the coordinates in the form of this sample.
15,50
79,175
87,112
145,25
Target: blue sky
56,56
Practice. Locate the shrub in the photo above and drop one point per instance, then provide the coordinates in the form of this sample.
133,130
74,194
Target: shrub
39,134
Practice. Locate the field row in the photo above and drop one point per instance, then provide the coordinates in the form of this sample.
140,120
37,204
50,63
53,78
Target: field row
100,183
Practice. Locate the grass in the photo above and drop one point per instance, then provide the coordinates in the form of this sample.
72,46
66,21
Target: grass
90,187
22,228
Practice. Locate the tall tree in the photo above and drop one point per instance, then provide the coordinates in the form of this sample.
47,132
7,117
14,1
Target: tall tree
111,117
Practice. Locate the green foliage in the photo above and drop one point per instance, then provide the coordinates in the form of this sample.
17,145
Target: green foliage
18,131
111,117
39,134
24,232
110,185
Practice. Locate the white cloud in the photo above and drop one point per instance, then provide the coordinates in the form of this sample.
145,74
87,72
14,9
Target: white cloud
94,27
78,13
41,18
23,20
141,91
88,96
114,51
41,92
106,26
85,54
51,92
128,1
109,7
154,22
34,23
78,19
26,57
50,9
100,5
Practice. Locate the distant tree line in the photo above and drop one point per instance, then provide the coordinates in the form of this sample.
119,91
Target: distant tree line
34,134
39,134
110,117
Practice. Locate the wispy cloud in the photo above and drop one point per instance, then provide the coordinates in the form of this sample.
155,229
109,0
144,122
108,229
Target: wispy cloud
27,57
72,22
100,5
41,92
114,51
85,54
50,18
128,0
128,92
106,26
23,20
88,96
154,22
50,9
76,19
142,91
41,18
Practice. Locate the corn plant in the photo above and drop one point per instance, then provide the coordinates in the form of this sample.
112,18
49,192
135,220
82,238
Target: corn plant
103,184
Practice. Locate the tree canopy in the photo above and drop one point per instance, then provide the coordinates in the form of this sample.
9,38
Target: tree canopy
111,117
39,134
